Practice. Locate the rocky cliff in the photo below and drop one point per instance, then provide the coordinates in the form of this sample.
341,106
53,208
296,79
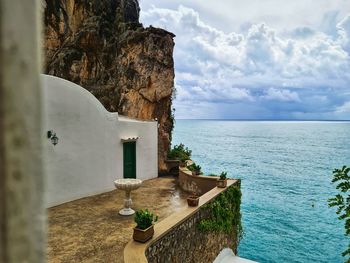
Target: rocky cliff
102,46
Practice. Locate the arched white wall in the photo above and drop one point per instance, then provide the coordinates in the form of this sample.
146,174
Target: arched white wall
89,153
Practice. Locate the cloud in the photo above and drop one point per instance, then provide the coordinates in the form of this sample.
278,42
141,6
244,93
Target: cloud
302,33
345,108
270,71
344,31
234,15
281,95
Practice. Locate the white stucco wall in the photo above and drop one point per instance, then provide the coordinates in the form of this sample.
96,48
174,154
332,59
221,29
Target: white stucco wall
227,256
89,153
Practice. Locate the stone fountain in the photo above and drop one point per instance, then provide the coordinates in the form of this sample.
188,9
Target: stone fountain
127,185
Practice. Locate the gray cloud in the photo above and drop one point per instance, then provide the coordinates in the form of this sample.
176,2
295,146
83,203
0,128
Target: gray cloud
272,73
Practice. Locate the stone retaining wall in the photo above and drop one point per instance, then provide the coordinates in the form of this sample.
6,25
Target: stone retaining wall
186,243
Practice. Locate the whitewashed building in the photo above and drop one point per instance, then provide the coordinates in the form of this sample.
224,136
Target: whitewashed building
94,147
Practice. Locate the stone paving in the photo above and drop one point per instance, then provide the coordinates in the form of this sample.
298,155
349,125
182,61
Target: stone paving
91,230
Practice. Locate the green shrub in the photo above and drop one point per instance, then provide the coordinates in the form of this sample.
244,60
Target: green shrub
223,176
195,168
180,152
342,201
144,219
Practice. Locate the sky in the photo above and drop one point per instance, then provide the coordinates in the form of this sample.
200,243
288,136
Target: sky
258,59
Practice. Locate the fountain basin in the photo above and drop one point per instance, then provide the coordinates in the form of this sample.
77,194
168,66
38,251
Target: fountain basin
127,185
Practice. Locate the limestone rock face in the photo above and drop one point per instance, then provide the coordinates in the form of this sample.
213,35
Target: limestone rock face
100,45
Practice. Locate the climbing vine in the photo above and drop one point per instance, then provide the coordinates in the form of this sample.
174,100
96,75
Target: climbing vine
224,213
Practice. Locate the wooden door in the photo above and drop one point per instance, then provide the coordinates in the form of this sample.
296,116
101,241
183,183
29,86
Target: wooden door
129,153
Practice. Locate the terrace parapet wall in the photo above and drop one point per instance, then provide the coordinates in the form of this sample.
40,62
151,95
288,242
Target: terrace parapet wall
178,239
196,183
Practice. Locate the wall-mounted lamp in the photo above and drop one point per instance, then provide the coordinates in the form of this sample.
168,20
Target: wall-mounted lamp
156,119
52,136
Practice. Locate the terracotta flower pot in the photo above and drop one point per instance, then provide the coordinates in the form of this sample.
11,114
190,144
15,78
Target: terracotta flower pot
222,183
193,200
143,235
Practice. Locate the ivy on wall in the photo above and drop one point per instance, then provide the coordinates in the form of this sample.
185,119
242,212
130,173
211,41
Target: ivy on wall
224,214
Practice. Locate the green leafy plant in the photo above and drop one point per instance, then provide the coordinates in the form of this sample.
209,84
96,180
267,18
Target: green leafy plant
342,201
223,176
224,214
144,219
180,152
195,168
184,159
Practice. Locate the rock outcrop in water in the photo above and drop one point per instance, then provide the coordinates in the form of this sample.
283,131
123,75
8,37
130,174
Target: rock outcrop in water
100,45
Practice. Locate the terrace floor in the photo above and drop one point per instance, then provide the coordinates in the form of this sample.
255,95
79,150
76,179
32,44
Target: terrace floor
91,230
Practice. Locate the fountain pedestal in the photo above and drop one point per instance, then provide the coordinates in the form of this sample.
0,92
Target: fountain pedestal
127,185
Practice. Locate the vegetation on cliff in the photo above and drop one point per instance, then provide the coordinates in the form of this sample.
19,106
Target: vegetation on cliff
224,214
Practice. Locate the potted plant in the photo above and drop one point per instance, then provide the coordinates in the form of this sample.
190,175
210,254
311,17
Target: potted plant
222,181
193,199
144,229
196,169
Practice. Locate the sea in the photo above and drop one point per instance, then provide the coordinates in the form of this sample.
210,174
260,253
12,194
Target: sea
286,172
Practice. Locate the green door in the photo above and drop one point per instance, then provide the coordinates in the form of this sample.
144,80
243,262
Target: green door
129,153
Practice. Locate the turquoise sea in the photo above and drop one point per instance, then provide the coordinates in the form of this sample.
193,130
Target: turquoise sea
286,170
